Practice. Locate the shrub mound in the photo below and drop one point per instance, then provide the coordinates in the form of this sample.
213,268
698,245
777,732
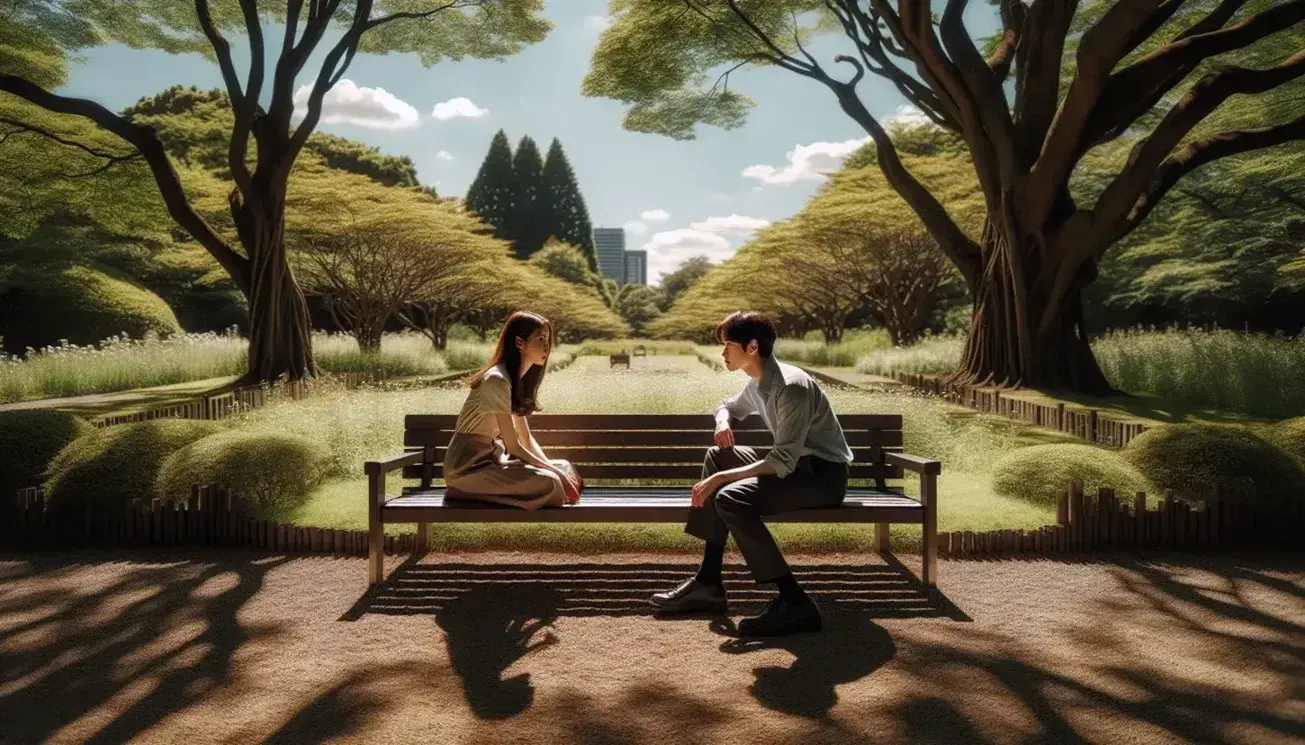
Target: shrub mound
80,304
29,441
1192,459
1289,436
277,472
1037,474
117,464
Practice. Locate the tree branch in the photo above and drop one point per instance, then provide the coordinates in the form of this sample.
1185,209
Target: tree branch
24,127
1197,154
1102,47
327,77
871,44
147,142
1111,214
1037,78
984,88
962,251
1140,86
1012,21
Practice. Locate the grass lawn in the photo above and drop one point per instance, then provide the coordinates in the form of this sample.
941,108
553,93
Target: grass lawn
364,424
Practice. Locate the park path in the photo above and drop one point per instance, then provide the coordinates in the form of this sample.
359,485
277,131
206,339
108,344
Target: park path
223,647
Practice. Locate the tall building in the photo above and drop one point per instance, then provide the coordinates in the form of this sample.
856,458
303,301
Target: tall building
636,267
609,244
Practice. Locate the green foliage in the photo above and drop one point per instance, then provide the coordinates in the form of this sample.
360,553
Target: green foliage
814,350
121,364
114,465
1289,436
931,355
686,275
1037,474
565,261
567,215
277,472
491,194
639,305
29,441
1222,369
79,304
1194,459
528,225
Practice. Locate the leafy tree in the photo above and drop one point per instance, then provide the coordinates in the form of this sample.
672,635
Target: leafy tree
565,261
371,250
685,276
280,340
528,225
1150,69
567,215
492,192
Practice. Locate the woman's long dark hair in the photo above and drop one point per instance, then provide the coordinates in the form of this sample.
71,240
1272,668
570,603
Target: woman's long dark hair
525,390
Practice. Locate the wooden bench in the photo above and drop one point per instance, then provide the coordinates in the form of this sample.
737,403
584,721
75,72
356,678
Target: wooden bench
640,351
646,448
620,358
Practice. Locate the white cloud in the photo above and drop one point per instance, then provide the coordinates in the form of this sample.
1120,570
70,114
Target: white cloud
736,225
597,22
457,108
654,215
635,227
444,155
347,103
667,249
908,115
806,163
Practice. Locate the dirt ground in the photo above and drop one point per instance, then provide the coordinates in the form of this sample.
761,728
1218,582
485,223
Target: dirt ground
208,647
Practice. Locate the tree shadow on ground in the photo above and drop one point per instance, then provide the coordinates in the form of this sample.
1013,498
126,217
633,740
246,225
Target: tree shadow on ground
488,630
67,651
851,647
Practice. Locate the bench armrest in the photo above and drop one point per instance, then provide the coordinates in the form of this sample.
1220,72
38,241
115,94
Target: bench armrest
914,463
391,463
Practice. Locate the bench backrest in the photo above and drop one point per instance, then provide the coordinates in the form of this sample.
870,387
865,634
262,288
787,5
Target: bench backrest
653,446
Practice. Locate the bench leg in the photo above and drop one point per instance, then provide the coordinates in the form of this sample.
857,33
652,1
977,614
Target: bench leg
423,539
929,552
375,530
881,538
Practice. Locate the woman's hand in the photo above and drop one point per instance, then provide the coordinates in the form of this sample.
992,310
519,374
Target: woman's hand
570,489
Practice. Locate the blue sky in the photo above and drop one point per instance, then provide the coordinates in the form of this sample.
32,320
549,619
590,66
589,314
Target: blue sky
677,199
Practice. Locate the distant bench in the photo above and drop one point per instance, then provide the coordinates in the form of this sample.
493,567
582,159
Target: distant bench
620,358
644,448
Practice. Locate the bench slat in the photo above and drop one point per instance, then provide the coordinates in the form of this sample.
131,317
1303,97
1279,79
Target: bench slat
685,472
687,456
612,422
684,438
635,505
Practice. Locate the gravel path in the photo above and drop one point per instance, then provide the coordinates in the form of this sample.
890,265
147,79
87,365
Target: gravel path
201,647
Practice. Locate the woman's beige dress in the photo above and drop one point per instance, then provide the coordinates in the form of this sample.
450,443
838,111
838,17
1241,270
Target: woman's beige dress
477,465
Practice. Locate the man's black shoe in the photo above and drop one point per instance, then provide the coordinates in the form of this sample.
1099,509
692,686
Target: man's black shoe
692,596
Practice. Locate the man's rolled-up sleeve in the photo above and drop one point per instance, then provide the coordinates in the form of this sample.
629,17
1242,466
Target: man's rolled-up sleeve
739,406
792,420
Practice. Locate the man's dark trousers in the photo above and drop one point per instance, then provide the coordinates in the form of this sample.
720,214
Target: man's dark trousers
737,508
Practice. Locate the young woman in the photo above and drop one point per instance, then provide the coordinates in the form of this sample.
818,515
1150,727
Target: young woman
493,457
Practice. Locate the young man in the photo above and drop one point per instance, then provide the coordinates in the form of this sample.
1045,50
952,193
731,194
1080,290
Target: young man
806,468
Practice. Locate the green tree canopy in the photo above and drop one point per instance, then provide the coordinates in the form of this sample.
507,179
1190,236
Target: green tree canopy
528,226
568,217
492,192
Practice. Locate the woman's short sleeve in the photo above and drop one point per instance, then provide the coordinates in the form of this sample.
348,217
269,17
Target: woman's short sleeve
495,393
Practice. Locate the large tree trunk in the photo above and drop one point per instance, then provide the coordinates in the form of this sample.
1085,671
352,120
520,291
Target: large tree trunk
1004,347
280,333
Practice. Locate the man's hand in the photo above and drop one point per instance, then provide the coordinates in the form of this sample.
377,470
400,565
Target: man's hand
724,435
703,490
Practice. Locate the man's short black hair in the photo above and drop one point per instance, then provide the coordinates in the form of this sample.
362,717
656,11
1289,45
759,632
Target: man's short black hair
745,325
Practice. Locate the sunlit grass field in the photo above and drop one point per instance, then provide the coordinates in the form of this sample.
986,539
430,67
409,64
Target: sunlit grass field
364,424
